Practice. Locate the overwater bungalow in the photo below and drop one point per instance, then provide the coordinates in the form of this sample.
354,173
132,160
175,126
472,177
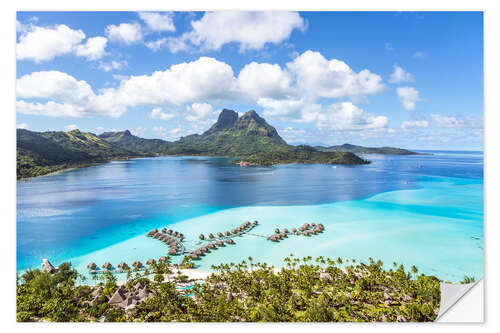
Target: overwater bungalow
172,252
211,236
107,265
92,265
294,230
194,256
219,242
302,228
212,246
277,230
122,266
227,233
285,230
150,262
229,241
163,258
313,224
170,231
220,234
202,237
176,234
255,222
137,264
164,230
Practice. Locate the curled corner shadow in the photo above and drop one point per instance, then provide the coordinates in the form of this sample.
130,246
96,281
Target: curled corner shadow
451,294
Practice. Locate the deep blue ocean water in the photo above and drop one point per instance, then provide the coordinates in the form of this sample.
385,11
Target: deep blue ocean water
79,212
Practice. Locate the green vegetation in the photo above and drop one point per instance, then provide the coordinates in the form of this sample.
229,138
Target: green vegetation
302,291
42,153
302,154
367,150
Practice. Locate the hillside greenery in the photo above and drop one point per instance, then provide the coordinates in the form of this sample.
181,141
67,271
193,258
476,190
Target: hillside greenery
42,153
367,150
303,291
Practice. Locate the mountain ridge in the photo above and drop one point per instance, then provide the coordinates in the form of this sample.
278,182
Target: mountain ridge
246,138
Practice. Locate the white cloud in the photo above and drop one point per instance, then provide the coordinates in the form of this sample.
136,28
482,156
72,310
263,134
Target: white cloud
346,116
318,76
456,122
22,125
157,113
156,44
127,33
70,127
100,129
93,49
388,47
138,131
113,65
264,81
251,30
400,75
414,124
169,134
158,21
44,43
291,92
66,96
199,112
408,96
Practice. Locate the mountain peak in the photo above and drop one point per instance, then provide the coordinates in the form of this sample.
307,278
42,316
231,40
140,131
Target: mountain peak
226,119
127,132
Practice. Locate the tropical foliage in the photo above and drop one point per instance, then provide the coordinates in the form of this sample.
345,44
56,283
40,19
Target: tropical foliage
303,291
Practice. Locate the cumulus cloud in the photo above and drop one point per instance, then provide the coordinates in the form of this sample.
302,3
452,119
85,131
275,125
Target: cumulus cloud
127,33
155,45
44,43
264,81
333,78
70,127
400,75
22,125
408,96
199,112
250,30
157,113
93,49
168,134
414,124
113,65
158,21
292,91
346,116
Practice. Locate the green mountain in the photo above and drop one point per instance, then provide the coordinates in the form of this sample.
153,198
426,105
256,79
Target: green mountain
248,138
366,150
42,153
128,141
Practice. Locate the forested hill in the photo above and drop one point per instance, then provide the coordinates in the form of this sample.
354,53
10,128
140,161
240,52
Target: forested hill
42,153
367,150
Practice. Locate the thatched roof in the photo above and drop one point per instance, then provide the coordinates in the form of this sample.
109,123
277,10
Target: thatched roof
92,265
107,265
163,258
211,236
229,241
227,233
277,230
212,246
137,264
201,236
118,297
285,230
164,230
172,251
170,231
219,242
255,222
150,261
122,265
294,230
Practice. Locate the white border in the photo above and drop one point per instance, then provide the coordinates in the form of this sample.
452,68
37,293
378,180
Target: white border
492,140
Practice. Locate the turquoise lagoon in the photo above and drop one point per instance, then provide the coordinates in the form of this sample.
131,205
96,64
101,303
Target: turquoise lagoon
424,210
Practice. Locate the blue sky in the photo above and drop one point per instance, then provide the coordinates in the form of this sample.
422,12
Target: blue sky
404,79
